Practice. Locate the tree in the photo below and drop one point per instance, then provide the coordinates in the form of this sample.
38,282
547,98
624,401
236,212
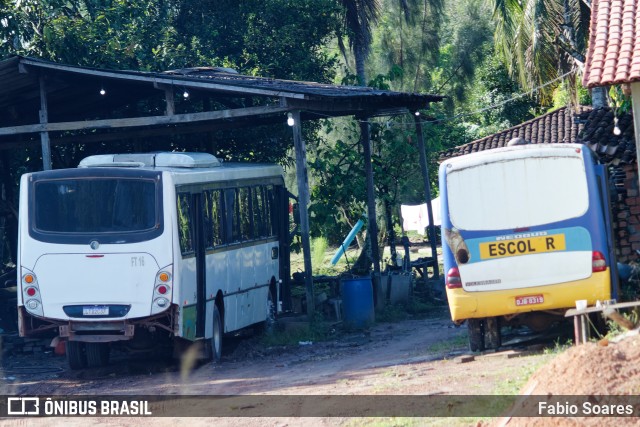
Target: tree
541,40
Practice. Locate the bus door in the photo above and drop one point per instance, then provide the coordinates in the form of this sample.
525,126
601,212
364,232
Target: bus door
200,253
192,272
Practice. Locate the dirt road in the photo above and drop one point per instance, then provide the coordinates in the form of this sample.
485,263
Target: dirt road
412,357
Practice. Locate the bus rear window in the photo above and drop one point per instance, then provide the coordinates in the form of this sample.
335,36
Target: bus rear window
517,193
95,205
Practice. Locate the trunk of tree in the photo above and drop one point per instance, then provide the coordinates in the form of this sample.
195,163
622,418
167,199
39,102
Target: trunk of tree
599,97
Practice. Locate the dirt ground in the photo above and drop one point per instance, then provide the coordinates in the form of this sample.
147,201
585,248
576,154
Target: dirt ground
411,357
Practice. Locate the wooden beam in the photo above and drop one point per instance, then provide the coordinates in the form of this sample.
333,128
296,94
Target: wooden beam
144,121
44,135
427,195
184,129
303,204
372,228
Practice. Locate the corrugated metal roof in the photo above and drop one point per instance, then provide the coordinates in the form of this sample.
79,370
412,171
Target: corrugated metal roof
73,92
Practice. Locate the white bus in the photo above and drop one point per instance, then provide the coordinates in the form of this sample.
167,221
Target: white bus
137,247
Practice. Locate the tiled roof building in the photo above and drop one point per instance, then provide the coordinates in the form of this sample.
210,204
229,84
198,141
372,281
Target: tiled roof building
595,128
613,55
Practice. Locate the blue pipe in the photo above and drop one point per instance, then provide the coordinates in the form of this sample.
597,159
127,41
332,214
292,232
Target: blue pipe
347,241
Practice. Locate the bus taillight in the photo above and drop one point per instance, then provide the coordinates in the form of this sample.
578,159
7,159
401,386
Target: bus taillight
162,289
453,278
598,262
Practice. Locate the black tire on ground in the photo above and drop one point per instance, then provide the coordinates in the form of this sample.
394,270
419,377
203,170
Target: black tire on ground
492,336
76,355
216,339
269,324
97,354
475,329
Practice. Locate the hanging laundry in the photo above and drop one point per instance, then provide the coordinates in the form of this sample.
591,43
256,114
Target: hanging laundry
416,217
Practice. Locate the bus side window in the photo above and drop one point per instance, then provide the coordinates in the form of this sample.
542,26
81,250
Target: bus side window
271,211
185,229
259,228
232,224
213,218
246,217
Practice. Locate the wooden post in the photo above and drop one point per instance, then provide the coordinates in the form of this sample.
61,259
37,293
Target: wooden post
44,136
303,203
168,96
427,190
372,227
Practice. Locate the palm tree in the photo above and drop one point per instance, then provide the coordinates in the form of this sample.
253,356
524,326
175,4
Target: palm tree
359,17
541,40
358,20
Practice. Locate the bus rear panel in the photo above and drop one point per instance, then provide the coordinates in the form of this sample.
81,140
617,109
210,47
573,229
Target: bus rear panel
526,231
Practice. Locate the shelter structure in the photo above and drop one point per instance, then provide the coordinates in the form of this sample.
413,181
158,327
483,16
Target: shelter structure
50,103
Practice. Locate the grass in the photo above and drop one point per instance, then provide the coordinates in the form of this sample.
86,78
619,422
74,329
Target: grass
457,343
301,331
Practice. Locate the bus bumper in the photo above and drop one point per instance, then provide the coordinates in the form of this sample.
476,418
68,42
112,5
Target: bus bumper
470,305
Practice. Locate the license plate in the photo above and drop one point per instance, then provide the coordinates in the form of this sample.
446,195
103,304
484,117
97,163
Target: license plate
522,246
95,311
529,300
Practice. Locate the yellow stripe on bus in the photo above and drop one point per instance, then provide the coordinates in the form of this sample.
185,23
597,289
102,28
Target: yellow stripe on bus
527,246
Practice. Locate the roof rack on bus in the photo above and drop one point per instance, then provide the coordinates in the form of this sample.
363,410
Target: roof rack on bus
136,160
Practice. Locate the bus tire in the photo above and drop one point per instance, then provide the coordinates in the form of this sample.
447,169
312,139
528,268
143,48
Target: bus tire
476,334
216,338
97,354
492,337
76,355
270,321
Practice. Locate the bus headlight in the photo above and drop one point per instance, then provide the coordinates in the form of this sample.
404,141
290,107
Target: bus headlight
31,292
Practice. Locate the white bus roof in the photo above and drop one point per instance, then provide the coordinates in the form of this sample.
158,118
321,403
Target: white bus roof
514,152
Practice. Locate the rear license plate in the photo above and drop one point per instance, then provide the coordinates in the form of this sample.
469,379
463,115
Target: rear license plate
524,246
529,300
95,311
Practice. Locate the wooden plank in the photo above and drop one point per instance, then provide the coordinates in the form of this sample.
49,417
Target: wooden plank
44,136
303,204
143,121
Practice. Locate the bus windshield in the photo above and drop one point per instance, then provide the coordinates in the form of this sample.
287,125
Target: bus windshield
523,192
95,205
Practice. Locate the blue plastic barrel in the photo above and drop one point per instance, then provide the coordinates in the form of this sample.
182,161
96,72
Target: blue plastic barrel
357,302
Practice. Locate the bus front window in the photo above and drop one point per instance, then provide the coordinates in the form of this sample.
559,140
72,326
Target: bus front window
95,205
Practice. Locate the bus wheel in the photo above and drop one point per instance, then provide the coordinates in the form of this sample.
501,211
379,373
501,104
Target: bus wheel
476,334
97,354
76,355
216,339
492,337
270,321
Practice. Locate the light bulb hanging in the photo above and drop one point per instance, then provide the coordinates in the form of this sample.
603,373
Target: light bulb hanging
616,129
290,120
